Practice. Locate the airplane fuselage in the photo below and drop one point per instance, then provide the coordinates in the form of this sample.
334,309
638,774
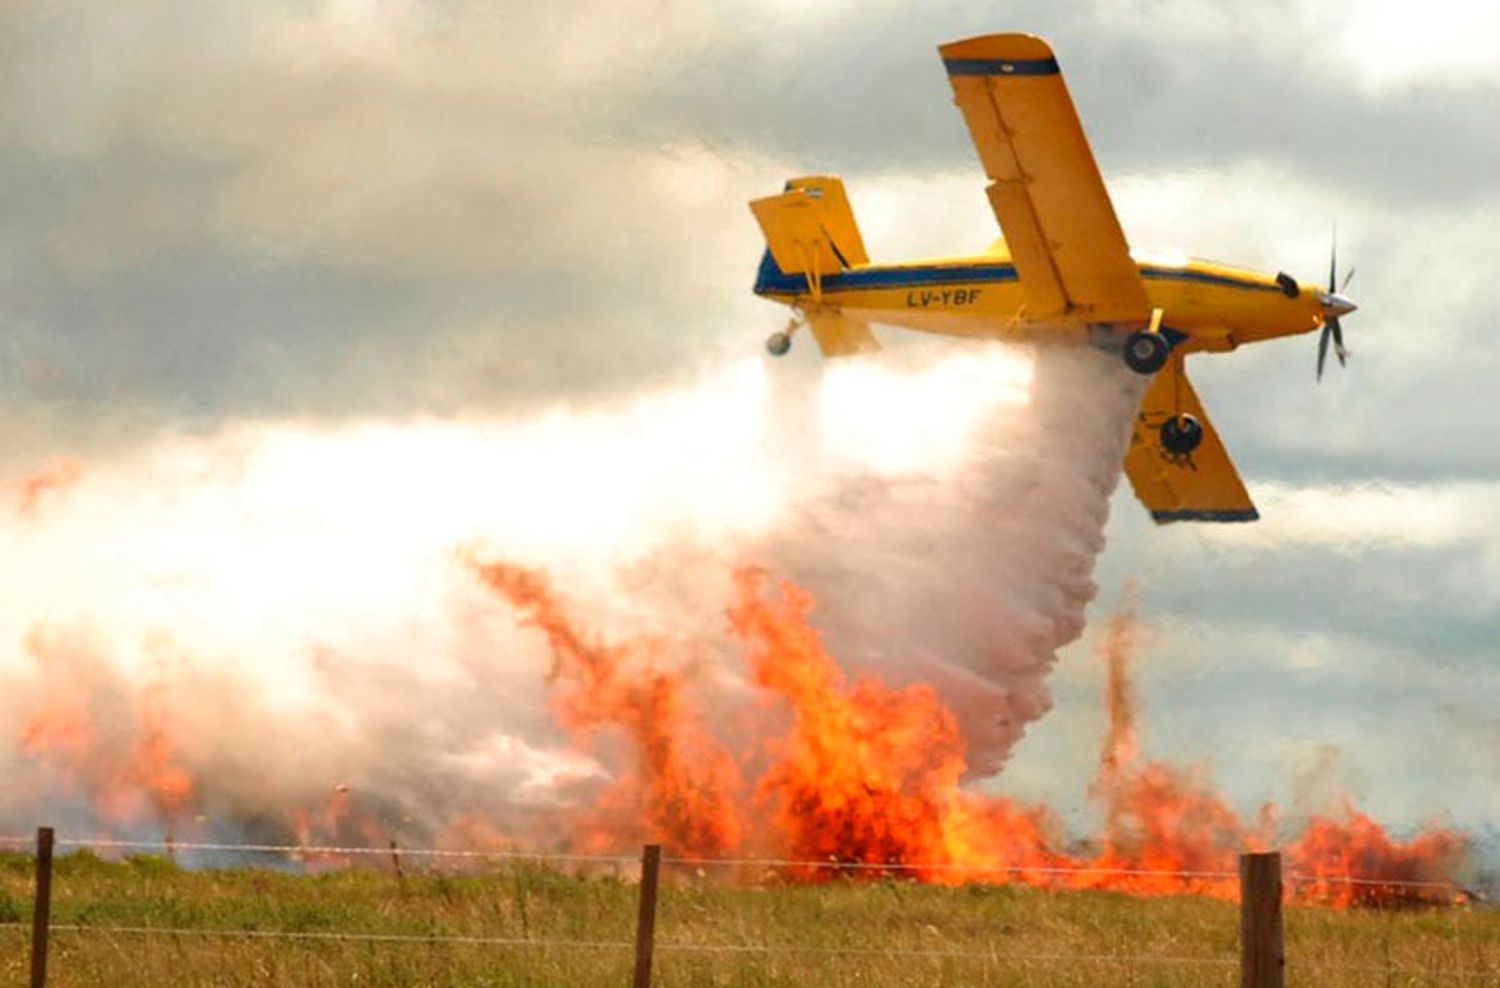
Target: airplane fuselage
1062,271
1216,307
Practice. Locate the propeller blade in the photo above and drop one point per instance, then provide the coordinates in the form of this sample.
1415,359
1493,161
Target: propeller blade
1347,278
1333,304
1333,262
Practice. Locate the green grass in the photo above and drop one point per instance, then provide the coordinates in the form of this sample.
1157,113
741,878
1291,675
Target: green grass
971,935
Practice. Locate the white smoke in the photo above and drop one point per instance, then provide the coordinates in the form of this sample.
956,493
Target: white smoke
282,611
971,576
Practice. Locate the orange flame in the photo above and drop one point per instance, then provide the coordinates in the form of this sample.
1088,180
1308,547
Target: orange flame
136,762
54,477
1164,832
683,790
858,772
1331,850
151,765
869,774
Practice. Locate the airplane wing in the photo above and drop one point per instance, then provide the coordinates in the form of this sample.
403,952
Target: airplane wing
1066,241
1203,486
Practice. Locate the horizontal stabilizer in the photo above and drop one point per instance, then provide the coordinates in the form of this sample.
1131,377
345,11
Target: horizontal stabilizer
810,227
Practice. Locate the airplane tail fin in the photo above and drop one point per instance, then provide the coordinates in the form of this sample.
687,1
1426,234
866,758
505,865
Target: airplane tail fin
810,231
810,234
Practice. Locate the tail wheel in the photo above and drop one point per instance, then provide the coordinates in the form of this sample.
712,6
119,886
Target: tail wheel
1181,434
777,344
1145,353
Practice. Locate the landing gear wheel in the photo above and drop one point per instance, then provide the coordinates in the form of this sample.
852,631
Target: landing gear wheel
1145,353
777,344
1181,434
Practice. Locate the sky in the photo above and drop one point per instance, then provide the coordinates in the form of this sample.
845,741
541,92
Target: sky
324,213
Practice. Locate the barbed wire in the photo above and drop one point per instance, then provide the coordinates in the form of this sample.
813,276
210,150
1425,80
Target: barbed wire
953,866
993,955
1054,870
1459,972
332,850
248,934
710,948
1302,878
1203,875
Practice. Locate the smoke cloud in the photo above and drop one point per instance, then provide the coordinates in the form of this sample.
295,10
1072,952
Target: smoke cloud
251,632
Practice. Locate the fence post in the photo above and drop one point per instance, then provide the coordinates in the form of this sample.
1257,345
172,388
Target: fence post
396,862
645,927
41,914
1262,957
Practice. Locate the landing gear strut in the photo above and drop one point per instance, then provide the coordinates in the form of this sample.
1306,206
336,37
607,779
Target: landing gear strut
777,344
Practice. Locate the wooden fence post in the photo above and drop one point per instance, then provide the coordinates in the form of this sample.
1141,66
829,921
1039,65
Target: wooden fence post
396,862
1262,957
41,913
645,926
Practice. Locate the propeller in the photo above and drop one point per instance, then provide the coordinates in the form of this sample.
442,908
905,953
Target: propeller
1335,304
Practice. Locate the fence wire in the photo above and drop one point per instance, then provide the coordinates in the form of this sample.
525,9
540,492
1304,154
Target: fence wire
663,945
337,851
769,864
322,935
993,956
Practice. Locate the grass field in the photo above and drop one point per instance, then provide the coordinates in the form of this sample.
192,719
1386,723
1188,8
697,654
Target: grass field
892,933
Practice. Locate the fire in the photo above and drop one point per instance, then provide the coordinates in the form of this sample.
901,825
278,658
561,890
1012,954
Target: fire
1164,831
1332,849
123,748
130,770
868,774
34,489
683,790
152,765
1162,819
826,768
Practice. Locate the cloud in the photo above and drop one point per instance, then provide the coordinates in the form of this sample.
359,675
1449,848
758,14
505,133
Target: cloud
1259,706
360,209
1358,616
1157,84
375,207
338,212
1407,568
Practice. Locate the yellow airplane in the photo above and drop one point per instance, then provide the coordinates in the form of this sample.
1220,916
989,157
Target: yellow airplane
1062,271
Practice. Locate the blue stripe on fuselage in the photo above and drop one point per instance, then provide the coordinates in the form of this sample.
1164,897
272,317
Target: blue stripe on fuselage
1179,274
771,280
